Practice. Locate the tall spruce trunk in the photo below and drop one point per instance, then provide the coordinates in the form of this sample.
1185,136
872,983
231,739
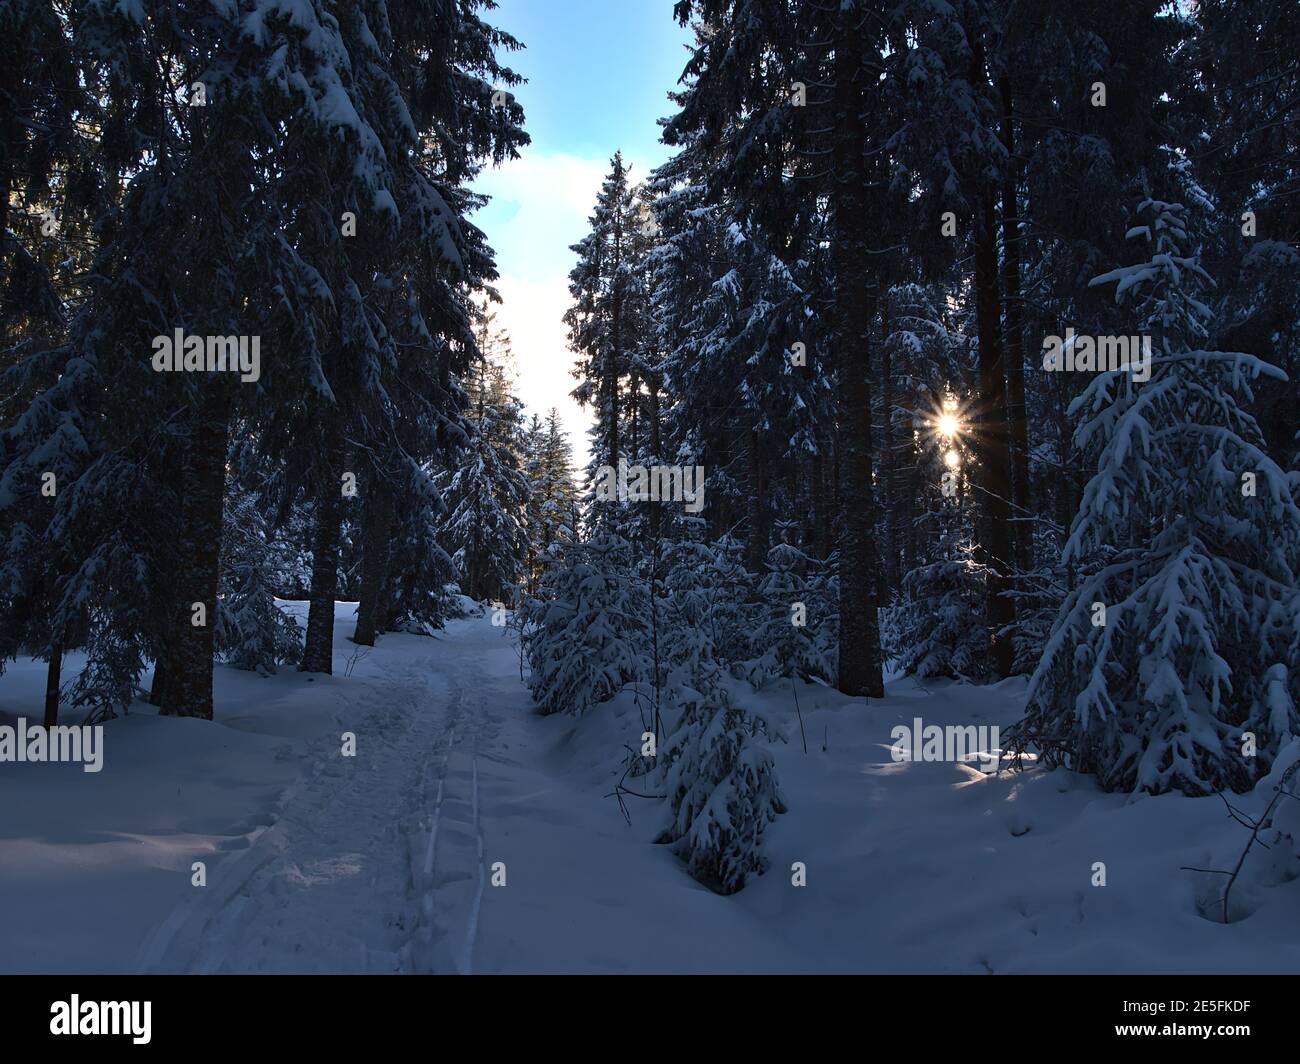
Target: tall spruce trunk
912,483
821,519
889,525
474,563
614,364
859,649
1013,303
187,691
52,671
318,647
633,419
657,509
374,562
990,438
757,515
159,685
174,481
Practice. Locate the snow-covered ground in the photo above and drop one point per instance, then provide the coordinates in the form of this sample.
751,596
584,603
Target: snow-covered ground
385,862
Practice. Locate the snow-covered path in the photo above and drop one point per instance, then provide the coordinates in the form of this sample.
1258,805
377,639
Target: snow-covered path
470,835
374,863
381,863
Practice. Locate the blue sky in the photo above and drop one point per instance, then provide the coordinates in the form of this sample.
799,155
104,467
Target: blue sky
598,73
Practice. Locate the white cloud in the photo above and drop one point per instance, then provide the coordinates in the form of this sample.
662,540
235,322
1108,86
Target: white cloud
540,206
532,312
544,184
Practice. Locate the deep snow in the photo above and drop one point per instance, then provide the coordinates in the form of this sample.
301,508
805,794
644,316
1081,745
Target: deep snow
384,862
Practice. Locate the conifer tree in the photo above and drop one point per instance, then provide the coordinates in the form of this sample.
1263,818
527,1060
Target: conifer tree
1187,543
606,320
487,492
554,503
585,636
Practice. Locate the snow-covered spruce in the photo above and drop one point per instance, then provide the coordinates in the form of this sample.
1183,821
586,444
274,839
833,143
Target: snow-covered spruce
722,793
721,785
606,317
585,636
252,632
704,593
798,623
937,629
552,514
415,596
486,493
1181,633
593,631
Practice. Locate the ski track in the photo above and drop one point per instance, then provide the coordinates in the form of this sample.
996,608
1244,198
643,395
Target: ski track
375,863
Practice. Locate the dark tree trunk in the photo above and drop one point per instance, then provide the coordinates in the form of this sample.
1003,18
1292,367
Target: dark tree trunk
657,509
633,418
1013,303
833,491
159,679
188,691
912,489
318,648
389,611
1063,493
820,518
757,515
174,481
474,563
859,650
887,467
991,441
52,686
653,387
614,364
374,562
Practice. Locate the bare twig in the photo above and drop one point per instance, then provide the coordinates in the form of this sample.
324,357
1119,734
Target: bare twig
358,655
1256,826
795,691
620,790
